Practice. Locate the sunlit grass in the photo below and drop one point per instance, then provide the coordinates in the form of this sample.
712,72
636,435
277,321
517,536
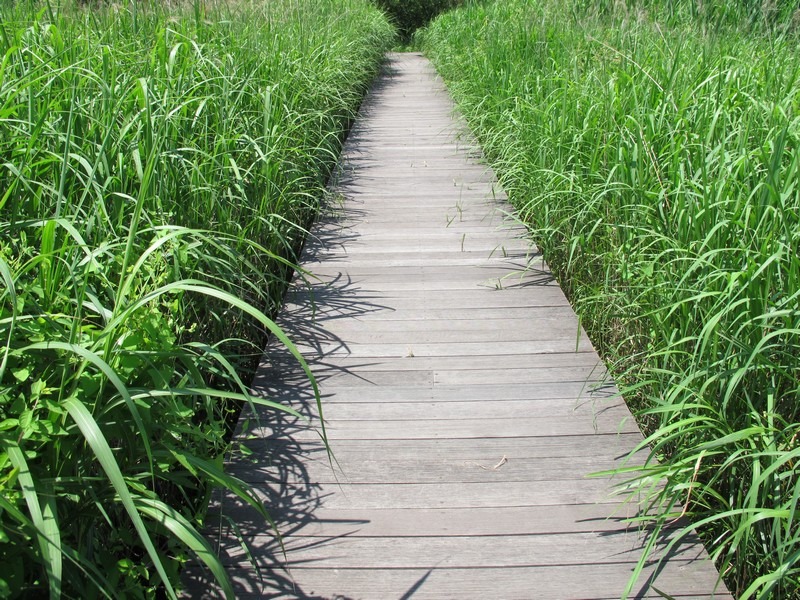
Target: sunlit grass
158,167
654,152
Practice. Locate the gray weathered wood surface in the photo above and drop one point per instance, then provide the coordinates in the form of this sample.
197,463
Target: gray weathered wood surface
463,402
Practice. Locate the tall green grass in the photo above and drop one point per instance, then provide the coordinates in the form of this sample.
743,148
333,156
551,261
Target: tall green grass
655,155
158,165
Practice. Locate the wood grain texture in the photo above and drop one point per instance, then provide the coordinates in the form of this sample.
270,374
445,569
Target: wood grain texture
464,404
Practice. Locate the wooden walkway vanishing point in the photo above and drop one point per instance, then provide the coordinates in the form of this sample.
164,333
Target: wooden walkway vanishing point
464,404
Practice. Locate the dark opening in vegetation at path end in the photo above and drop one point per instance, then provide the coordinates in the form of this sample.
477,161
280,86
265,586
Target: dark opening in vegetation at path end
410,15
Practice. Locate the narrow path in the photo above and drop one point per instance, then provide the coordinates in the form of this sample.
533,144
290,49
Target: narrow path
464,404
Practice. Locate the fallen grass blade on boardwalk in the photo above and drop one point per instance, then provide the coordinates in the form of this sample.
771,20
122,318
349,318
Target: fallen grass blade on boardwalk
158,167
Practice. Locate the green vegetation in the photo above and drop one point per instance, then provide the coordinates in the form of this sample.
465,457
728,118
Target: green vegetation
654,149
410,15
157,167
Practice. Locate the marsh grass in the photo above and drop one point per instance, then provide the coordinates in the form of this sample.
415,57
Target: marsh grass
158,167
654,153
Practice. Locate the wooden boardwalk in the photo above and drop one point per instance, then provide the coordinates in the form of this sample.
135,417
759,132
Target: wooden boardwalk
464,403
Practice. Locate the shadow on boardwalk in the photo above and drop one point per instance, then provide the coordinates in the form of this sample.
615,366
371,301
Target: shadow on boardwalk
283,448
251,548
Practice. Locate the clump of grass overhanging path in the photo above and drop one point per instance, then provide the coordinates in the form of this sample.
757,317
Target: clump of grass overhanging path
654,149
157,167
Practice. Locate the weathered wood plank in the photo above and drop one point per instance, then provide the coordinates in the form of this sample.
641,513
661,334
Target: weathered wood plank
489,288
576,391
497,282
460,428
458,494
453,348
613,411
481,379
469,467
511,551
356,294
489,331
437,583
515,520
481,450
280,363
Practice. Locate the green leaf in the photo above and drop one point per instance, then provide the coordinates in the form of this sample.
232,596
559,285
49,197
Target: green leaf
21,374
177,524
47,533
25,419
105,456
8,281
